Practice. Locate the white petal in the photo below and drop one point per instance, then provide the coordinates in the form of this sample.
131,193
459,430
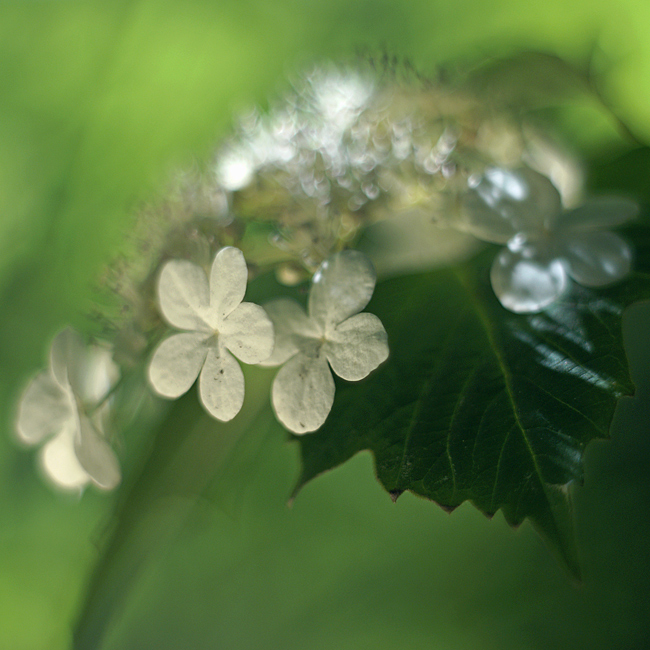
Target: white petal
506,202
60,463
526,284
183,295
303,393
291,324
94,375
176,363
96,456
341,287
88,369
67,352
248,333
597,258
228,279
599,213
357,346
221,385
44,409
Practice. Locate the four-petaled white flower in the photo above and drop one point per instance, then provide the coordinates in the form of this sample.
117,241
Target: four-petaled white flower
216,323
354,344
546,245
67,403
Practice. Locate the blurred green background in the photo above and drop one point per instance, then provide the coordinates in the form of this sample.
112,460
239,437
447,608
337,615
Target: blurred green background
99,101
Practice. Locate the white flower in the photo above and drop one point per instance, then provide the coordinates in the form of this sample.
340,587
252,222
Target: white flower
546,245
61,403
217,323
354,344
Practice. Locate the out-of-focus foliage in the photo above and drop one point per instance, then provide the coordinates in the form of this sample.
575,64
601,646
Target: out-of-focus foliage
98,102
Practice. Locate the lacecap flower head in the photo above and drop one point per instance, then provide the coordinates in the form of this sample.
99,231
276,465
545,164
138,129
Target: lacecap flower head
332,332
67,404
217,326
546,245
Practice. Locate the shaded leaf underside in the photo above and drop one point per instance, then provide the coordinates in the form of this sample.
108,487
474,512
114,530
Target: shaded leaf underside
477,403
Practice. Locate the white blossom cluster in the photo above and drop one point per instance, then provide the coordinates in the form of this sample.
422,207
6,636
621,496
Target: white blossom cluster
69,402
345,151
216,325
65,407
426,175
352,176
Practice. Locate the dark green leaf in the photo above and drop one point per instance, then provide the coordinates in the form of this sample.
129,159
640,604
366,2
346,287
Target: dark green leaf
628,172
477,403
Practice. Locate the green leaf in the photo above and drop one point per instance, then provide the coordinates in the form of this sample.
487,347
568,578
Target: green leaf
628,172
477,403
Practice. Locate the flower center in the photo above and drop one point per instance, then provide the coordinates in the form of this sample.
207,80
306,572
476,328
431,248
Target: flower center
213,339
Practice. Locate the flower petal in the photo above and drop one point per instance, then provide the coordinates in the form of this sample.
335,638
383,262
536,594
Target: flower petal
67,351
599,213
60,463
94,374
357,346
303,393
176,363
291,324
248,333
228,279
96,456
88,369
506,202
524,283
221,385
44,409
183,295
597,258
341,287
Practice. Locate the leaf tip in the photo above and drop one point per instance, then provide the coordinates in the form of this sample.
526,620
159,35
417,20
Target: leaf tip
557,528
447,509
296,490
395,494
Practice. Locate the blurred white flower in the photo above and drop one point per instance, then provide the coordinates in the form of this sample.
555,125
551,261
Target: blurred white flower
354,344
67,403
546,245
216,323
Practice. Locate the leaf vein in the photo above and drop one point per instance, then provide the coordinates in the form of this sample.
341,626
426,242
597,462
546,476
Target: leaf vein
496,474
507,378
445,348
566,404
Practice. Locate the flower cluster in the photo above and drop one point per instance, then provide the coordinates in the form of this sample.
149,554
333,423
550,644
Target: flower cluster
545,245
70,401
67,403
217,323
346,150
347,159
349,176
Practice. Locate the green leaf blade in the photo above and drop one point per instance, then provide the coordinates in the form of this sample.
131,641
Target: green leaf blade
479,404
